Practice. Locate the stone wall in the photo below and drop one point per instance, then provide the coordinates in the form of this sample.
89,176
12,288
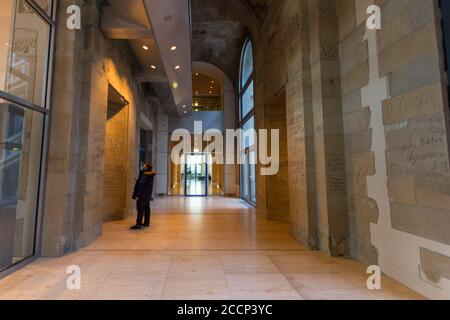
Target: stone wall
354,62
85,65
329,155
368,125
279,62
297,53
396,125
115,162
277,203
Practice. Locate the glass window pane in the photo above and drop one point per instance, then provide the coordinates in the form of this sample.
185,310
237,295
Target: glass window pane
247,63
249,133
248,100
248,176
252,177
23,58
245,181
21,132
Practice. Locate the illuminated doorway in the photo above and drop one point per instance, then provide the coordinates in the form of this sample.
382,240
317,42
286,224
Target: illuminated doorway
196,175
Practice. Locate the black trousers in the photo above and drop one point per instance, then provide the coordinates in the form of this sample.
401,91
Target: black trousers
143,212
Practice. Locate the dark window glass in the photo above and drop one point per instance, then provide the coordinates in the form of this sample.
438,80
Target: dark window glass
20,154
445,8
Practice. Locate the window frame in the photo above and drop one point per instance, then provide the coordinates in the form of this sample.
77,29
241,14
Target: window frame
49,62
45,110
244,119
243,87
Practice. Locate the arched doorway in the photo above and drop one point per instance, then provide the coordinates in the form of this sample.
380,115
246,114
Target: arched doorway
213,105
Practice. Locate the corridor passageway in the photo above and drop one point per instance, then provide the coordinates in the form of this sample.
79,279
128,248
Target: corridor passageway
289,145
199,248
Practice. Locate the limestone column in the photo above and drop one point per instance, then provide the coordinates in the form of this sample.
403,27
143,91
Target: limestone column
61,171
162,152
300,132
230,172
88,215
329,151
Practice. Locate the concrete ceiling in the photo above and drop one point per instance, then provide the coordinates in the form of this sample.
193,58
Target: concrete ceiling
259,8
219,28
171,23
219,43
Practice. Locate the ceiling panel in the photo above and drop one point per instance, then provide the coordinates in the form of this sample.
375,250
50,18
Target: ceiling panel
171,25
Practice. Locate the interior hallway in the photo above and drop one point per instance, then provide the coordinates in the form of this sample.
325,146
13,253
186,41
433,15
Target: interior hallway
199,248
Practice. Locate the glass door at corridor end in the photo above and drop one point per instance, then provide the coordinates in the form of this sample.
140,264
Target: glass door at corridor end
196,175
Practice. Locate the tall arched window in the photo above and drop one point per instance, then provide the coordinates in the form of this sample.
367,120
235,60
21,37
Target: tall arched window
247,122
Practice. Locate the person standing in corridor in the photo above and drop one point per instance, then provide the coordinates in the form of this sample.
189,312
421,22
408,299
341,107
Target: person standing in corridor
143,191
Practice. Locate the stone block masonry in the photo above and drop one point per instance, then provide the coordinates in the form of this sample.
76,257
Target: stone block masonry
367,119
86,64
367,122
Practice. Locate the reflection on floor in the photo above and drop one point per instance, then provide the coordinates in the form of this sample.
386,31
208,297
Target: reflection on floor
199,248
196,188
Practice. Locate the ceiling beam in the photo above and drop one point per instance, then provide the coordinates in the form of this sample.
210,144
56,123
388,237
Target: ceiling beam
114,26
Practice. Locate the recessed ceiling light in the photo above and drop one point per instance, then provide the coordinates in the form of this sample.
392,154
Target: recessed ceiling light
210,92
175,85
153,67
196,104
185,112
177,67
173,48
212,81
145,47
184,106
196,74
211,87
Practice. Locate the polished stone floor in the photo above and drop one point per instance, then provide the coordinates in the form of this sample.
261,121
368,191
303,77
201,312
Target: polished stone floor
198,248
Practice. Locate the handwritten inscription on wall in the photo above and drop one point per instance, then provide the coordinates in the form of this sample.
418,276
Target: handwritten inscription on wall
422,102
431,161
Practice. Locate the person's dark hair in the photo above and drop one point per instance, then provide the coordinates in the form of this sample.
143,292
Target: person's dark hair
148,166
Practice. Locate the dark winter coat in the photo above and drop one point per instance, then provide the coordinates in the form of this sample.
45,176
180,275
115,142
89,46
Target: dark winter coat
143,189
